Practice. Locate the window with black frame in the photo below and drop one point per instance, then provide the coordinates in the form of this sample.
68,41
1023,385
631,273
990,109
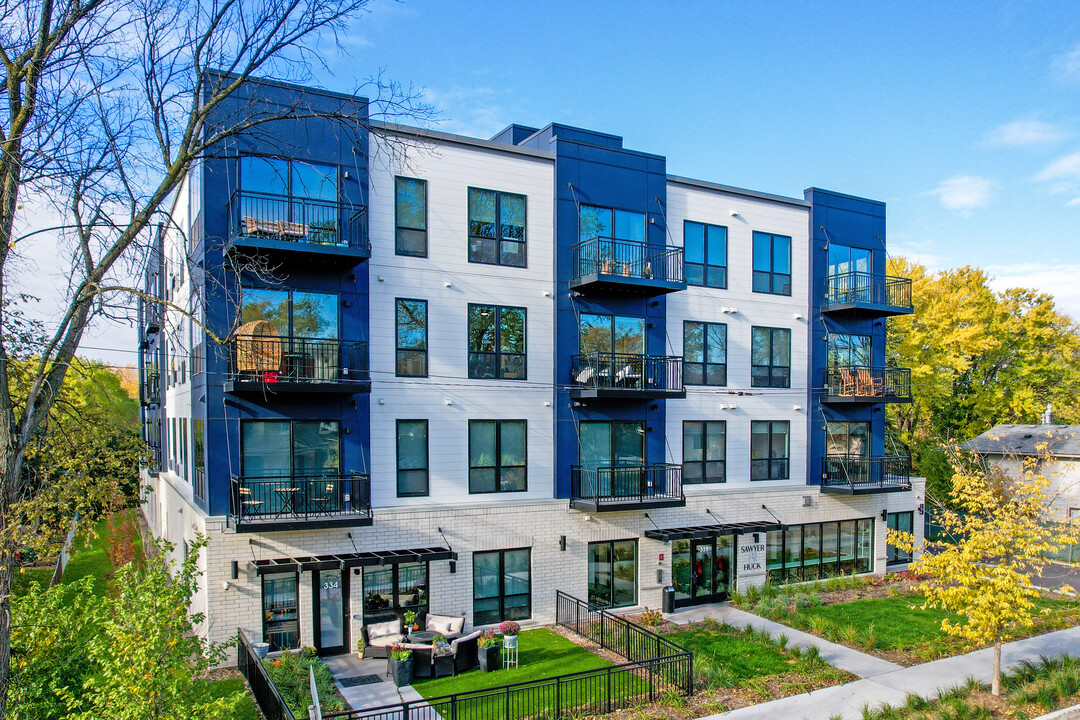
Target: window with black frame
281,611
497,456
613,573
391,590
502,581
301,341
705,254
496,228
704,353
770,357
900,522
497,342
288,199
412,458
769,449
410,329
802,553
772,264
704,452
410,217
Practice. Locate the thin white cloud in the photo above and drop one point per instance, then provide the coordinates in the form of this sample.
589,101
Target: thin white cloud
964,193
923,252
1022,133
1064,168
1052,277
1067,64
471,111
1074,202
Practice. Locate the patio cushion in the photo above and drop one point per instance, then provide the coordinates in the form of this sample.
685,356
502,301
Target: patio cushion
446,625
384,634
466,638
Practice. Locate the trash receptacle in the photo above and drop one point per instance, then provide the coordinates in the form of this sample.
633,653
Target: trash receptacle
669,599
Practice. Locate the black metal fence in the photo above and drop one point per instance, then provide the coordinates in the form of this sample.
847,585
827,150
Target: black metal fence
871,383
300,220
855,472
614,633
634,484
300,497
868,288
627,371
282,359
266,694
627,258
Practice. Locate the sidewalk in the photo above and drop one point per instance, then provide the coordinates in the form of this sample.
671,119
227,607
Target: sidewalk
882,682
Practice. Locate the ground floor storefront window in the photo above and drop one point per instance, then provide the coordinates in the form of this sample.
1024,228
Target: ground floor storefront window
391,590
613,573
903,522
502,582
820,550
281,611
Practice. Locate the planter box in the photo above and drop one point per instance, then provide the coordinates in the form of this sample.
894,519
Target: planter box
489,658
401,670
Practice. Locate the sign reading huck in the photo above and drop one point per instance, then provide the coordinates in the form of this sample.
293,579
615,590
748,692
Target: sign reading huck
751,555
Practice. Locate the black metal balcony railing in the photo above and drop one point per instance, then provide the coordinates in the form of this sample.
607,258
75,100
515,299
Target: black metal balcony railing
627,374
264,501
860,383
855,475
299,220
863,288
273,359
151,386
627,259
623,488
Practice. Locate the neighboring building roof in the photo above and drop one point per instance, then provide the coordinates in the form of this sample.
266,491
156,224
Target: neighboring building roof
1060,440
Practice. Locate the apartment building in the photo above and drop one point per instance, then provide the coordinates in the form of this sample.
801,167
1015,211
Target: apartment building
432,372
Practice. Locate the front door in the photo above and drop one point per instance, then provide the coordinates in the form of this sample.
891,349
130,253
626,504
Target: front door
330,600
701,579
702,570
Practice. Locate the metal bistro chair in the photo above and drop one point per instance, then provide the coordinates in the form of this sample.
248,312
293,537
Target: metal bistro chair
322,500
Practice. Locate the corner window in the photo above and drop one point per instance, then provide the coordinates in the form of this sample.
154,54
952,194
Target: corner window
496,342
770,357
497,456
704,353
613,573
412,458
772,264
704,452
496,228
705,254
902,522
281,611
410,217
769,449
410,327
502,582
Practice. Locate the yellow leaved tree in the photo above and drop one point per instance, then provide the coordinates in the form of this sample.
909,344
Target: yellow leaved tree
993,543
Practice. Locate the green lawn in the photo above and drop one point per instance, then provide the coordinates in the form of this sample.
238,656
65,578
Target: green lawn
898,622
728,648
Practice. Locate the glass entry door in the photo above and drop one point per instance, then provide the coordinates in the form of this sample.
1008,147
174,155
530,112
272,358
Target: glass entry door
701,580
330,598
702,570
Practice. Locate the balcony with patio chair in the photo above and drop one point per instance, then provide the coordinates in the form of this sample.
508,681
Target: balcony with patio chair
609,266
296,502
626,376
860,384
263,362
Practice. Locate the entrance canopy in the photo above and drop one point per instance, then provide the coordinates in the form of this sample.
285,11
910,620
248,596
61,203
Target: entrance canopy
696,532
358,559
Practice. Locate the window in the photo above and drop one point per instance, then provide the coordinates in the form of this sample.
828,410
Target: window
704,353
281,615
770,357
497,456
609,224
290,448
612,444
293,313
410,213
390,590
496,342
772,264
901,522
613,573
412,458
705,254
845,350
704,452
801,553
183,449
501,582
288,199
611,334
290,178
496,228
410,323
847,439
769,450
198,456
843,260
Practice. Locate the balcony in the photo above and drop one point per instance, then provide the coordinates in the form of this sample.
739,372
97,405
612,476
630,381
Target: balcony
300,502
606,266
635,487
867,295
626,376
861,384
150,392
269,363
332,232
865,476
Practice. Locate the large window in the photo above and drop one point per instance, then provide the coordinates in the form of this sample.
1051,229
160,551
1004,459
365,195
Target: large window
705,254
289,178
847,439
611,334
801,553
613,573
704,452
501,586
704,353
610,224
496,342
843,260
846,350
769,449
770,357
281,611
410,213
612,444
497,456
410,327
292,313
290,448
496,228
902,522
390,590
412,458
198,457
772,263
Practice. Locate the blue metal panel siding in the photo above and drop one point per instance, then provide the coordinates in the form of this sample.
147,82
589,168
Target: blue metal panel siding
611,177
852,222
315,140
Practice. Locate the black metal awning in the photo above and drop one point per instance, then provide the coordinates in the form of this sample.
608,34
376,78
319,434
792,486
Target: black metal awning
357,559
698,532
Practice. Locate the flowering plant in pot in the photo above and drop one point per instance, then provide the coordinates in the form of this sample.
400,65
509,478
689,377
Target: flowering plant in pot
488,650
401,667
410,621
509,630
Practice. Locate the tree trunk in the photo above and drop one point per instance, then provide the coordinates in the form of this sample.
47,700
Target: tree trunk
995,686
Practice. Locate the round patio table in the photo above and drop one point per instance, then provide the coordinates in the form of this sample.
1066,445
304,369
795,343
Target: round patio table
421,637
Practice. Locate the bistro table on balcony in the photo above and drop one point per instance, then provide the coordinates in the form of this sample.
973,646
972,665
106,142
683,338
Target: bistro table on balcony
286,500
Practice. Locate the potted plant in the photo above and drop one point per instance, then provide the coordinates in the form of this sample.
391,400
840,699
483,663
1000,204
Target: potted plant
488,645
410,621
509,630
360,647
401,665
441,645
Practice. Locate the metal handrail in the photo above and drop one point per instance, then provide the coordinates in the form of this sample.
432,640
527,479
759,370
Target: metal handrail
627,258
266,694
300,497
626,371
868,381
295,219
857,472
284,359
868,288
641,483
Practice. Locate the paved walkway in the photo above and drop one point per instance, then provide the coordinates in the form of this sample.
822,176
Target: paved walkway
372,695
883,683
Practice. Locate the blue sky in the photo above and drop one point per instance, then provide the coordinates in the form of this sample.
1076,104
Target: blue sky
963,117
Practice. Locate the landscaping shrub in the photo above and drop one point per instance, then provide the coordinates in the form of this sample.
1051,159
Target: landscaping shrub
290,674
